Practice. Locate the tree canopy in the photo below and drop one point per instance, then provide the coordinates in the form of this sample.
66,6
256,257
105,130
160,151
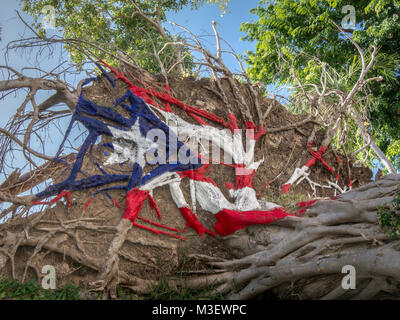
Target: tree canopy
303,28
134,27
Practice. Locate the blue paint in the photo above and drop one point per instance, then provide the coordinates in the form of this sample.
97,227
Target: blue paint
138,111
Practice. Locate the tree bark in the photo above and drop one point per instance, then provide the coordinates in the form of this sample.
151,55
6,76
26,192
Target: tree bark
368,139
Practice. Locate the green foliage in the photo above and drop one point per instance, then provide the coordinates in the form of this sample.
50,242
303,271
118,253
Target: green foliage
387,142
163,291
389,217
303,26
112,24
31,290
223,4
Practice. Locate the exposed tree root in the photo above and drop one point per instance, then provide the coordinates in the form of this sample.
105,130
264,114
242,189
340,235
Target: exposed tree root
331,234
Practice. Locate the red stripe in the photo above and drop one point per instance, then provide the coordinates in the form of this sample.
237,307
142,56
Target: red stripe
158,231
192,221
87,204
198,119
145,93
160,225
260,131
232,122
134,203
229,221
197,174
153,206
62,194
116,203
244,177
318,156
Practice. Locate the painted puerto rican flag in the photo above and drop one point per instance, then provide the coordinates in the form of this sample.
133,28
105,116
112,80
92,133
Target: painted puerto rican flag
145,131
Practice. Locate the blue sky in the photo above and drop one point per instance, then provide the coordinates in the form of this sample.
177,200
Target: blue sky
228,25
198,21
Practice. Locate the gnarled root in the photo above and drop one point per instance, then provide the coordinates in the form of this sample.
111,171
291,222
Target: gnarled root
332,234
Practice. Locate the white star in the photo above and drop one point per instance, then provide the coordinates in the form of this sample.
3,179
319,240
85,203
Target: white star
129,146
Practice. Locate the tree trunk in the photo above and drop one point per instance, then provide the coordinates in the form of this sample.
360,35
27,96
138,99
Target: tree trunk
368,139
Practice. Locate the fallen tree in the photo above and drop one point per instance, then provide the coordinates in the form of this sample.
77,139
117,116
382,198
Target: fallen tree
296,256
302,250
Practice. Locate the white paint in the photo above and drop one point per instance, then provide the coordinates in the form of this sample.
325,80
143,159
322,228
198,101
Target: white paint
232,144
297,174
129,146
246,199
164,179
177,195
211,198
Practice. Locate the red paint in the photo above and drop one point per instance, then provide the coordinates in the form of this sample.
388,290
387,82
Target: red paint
250,125
243,181
158,232
318,156
229,185
146,93
229,221
168,106
198,119
197,174
159,225
265,185
62,194
244,178
134,204
87,204
192,221
232,122
153,206
285,189
259,133
116,203
306,204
